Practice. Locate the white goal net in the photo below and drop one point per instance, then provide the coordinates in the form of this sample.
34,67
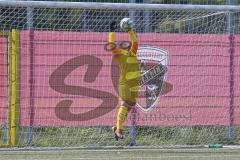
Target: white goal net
65,87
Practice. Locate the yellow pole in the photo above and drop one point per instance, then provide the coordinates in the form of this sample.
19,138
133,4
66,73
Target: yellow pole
14,87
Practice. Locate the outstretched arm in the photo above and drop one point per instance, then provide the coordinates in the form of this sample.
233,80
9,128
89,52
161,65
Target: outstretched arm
134,41
113,47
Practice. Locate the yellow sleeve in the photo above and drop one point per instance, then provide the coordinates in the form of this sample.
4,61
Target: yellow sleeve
134,40
111,37
132,36
113,47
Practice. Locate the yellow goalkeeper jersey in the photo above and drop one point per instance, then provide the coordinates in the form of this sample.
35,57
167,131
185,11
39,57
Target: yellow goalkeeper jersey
127,61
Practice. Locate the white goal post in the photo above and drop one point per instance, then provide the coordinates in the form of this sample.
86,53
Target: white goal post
127,6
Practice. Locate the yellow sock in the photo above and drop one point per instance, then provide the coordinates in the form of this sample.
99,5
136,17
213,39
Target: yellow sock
121,116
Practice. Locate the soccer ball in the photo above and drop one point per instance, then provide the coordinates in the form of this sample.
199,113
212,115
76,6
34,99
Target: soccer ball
126,24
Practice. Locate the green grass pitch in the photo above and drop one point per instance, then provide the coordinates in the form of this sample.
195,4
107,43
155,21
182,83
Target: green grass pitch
131,153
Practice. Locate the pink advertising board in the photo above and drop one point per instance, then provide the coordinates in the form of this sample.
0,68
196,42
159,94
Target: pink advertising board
72,83
3,80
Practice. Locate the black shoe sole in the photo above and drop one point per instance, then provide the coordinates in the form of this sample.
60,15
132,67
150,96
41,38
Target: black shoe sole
115,135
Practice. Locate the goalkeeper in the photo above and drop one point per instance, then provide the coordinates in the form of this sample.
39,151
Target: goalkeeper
129,76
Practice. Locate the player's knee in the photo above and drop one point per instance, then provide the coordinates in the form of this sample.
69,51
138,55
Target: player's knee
128,104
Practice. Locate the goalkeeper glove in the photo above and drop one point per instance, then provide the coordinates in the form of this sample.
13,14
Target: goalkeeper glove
113,26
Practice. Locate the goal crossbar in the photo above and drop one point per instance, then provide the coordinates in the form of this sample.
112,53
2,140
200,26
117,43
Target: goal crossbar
127,6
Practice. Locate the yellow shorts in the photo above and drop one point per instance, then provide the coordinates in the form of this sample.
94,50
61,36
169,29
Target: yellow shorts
128,92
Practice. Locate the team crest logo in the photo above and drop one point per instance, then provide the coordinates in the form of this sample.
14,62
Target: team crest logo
153,67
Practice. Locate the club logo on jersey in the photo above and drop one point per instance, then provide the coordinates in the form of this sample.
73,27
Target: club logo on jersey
153,67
